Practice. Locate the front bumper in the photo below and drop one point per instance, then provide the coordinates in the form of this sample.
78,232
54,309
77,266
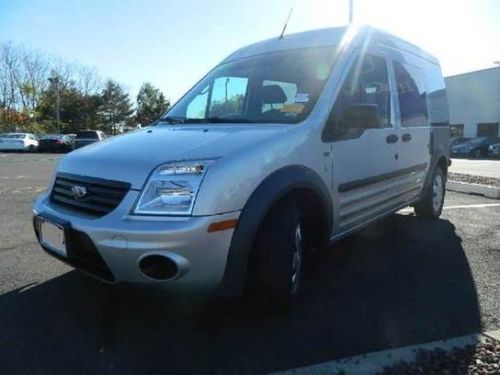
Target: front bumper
122,240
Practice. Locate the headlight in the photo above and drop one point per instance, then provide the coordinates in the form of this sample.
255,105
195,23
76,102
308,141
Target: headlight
172,188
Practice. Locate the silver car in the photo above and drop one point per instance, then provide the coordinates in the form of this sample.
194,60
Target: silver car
286,145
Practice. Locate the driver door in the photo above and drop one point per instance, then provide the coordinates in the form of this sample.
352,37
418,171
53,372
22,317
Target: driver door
365,159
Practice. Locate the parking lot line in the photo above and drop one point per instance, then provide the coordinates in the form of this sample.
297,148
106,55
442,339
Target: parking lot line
472,206
483,205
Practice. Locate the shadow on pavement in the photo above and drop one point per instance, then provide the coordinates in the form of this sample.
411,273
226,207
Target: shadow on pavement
402,281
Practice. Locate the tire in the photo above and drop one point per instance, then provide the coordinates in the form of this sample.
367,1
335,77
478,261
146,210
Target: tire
431,204
276,261
31,148
478,153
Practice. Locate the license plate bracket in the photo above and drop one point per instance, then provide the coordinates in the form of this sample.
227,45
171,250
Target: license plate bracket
52,236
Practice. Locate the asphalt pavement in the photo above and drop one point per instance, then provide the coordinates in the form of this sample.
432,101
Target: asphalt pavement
400,282
477,167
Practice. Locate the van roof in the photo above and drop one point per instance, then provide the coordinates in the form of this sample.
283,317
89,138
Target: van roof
334,36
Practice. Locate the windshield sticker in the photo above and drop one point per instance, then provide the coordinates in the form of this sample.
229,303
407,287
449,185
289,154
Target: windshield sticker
292,108
301,98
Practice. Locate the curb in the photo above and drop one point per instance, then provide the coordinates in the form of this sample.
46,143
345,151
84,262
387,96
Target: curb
374,362
464,187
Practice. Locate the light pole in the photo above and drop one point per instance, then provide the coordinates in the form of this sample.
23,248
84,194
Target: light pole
227,81
351,11
55,81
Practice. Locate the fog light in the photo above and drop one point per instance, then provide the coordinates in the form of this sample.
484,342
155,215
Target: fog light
158,267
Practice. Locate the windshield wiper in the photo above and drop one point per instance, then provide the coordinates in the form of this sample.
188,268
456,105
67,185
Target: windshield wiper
222,120
209,120
173,120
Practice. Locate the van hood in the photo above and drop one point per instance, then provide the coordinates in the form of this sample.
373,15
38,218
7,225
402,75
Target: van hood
131,157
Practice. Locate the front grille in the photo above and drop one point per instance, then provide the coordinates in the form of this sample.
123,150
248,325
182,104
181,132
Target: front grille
100,198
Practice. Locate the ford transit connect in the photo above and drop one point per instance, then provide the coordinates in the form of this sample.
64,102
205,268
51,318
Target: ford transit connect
286,145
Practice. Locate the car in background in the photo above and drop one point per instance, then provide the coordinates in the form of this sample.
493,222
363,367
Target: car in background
494,150
19,142
455,141
55,143
87,137
477,147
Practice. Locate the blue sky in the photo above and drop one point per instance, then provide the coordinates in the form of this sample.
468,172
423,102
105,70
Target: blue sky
173,43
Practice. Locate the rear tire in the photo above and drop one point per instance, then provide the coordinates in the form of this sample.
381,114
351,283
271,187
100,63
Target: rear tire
431,204
276,262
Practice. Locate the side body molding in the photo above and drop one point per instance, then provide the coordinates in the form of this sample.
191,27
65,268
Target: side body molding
274,187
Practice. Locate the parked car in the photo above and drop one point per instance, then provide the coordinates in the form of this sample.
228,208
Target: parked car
454,141
494,150
477,147
55,143
87,137
287,145
19,142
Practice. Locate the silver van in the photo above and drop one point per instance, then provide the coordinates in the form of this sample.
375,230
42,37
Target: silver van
286,145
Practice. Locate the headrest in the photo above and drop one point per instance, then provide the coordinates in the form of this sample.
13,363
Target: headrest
273,94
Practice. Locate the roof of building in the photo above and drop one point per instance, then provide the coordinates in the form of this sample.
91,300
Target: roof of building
497,68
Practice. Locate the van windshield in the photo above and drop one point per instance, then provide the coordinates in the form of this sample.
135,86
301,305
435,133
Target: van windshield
280,87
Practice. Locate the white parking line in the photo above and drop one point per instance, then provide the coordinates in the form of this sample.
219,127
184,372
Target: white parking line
483,205
472,206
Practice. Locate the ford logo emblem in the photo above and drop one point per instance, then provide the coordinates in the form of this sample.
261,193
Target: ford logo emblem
79,191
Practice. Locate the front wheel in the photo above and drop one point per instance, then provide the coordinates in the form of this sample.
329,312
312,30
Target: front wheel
276,262
431,204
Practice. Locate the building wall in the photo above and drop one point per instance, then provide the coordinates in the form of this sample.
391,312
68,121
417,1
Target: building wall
474,98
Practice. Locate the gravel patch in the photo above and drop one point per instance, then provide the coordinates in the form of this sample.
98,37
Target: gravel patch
481,180
482,358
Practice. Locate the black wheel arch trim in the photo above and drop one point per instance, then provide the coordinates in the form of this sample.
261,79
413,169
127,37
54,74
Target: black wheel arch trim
273,188
433,164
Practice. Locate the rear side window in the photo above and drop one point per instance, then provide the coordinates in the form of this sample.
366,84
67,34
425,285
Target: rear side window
412,96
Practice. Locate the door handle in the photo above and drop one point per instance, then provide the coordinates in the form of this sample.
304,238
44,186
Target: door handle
391,138
406,137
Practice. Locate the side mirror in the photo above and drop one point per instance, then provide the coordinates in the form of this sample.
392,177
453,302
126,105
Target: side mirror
361,116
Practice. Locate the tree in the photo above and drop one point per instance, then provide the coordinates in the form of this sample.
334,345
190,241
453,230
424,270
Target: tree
27,97
77,110
151,104
116,106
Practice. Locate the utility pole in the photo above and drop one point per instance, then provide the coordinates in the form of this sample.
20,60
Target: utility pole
351,11
55,81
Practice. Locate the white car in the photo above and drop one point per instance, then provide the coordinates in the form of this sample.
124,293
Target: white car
19,142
